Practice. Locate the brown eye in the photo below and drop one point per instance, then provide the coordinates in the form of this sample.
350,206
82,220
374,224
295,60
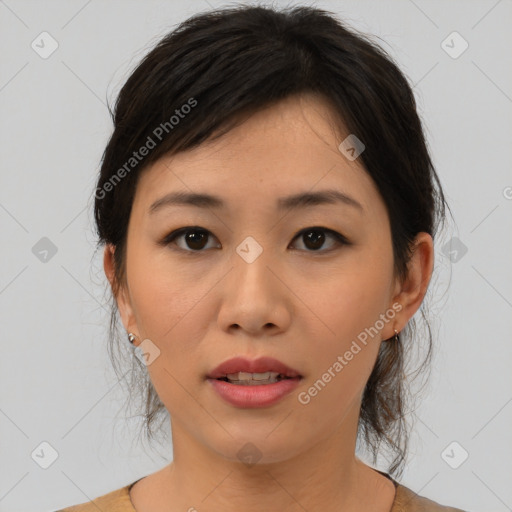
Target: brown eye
315,237
195,239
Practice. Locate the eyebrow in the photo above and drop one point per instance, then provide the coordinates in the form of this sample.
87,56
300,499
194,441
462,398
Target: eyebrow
293,202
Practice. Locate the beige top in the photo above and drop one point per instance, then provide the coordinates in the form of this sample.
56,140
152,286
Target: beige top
119,501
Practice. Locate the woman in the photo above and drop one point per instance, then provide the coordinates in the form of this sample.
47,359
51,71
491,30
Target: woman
268,207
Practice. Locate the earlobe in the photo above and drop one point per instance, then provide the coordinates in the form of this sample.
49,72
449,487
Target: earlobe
413,289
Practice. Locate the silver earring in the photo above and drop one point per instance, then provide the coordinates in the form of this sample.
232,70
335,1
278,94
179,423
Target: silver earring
131,337
394,339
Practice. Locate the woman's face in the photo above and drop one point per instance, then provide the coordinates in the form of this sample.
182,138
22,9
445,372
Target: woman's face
251,287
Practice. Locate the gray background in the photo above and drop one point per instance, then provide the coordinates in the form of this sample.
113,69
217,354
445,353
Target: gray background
56,382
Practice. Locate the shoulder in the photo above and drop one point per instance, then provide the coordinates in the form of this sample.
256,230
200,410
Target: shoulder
115,501
407,500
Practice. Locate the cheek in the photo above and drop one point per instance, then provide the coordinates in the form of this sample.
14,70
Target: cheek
349,304
350,298
343,356
170,311
162,292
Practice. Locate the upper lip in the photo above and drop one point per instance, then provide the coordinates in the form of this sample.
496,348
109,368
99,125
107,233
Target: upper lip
260,365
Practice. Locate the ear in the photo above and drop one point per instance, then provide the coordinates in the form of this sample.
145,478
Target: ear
122,298
410,293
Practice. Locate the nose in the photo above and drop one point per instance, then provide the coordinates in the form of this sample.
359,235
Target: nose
254,298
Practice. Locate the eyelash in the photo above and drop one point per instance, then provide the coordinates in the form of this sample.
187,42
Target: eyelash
338,237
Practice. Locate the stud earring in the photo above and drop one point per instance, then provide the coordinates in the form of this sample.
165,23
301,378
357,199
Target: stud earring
131,337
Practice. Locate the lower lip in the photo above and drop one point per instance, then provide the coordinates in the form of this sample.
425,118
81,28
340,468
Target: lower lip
261,395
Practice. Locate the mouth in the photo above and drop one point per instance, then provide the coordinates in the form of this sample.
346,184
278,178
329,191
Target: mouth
256,379
246,372
254,390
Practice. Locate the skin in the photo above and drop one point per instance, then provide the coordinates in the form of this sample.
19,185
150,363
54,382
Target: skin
297,304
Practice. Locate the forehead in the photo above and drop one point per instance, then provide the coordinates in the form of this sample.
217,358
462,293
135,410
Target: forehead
288,148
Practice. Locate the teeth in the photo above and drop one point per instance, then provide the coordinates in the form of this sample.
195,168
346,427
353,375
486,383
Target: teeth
253,378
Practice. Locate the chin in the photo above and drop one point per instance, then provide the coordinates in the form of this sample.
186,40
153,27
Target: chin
252,449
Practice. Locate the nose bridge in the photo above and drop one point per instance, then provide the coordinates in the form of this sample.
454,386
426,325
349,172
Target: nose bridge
251,271
253,298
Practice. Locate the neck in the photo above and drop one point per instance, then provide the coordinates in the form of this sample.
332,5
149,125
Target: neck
326,476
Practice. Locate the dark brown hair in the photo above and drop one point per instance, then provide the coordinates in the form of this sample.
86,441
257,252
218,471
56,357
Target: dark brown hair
219,66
